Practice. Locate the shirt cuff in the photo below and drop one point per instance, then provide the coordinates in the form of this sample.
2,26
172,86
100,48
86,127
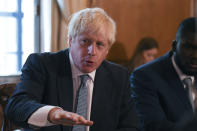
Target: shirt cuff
39,117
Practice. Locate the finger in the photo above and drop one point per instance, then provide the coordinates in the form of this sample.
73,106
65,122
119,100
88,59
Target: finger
83,121
88,123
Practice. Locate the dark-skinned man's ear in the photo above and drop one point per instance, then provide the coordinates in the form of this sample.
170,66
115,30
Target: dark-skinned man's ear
174,44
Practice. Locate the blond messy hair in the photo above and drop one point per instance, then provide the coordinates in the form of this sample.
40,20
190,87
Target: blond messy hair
91,19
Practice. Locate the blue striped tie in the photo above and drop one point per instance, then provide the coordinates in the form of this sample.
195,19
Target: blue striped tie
81,102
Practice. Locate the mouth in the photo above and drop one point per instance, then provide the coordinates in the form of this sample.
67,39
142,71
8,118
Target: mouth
192,63
89,63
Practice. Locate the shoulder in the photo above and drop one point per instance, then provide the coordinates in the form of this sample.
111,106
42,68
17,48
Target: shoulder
48,55
156,65
113,66
47,60
114,69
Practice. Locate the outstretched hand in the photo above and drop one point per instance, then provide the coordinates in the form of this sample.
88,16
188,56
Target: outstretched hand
59,116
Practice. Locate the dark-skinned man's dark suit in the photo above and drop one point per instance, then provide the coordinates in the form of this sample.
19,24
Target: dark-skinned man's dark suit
47,80
161,99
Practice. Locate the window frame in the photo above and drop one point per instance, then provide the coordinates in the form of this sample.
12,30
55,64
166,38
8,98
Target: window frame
19,15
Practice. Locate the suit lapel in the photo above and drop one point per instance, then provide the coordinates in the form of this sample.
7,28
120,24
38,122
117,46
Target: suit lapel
175,82
101,95
64,82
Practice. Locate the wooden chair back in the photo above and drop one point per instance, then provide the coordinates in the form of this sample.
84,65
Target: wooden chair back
6,91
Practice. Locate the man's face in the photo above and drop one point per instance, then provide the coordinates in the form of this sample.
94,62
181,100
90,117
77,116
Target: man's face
89,49
186,53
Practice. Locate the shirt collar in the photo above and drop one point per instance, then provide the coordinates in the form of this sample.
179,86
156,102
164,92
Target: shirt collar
76,72
181,75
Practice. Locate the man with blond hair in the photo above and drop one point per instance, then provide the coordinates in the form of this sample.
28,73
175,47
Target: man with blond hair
76,89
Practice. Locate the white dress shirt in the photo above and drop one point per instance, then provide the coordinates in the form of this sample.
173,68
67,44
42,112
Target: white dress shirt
89,84
39,117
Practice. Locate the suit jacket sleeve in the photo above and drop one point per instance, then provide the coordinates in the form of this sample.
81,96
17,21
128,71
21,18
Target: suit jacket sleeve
28,94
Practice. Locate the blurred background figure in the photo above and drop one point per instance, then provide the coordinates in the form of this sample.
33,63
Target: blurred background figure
146,51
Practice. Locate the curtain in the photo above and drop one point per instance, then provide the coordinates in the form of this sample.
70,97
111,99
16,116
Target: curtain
45,25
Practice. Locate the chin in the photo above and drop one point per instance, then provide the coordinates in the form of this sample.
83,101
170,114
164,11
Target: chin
87,70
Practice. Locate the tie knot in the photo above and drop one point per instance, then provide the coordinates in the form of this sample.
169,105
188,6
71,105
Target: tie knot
187,81
84,78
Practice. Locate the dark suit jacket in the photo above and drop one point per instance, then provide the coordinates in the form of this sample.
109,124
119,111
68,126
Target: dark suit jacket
160,97
47,80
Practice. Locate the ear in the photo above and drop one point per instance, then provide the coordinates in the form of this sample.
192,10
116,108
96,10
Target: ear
174,44
70,41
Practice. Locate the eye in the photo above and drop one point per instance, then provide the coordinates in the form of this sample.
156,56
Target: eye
99,44
86,41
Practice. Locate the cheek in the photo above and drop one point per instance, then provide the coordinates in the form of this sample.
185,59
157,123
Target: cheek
105,54
77,56
79,52
145,56
182,59
183,55
102,56
76,60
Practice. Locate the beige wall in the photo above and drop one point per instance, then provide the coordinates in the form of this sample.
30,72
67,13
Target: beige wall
139,18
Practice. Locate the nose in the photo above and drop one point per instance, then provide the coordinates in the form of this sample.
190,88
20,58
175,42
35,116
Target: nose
92,49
